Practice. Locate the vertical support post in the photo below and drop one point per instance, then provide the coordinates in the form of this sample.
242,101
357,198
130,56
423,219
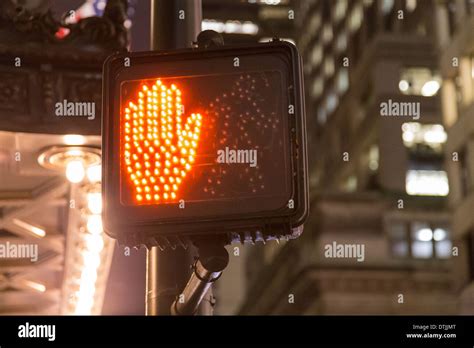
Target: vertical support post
174,24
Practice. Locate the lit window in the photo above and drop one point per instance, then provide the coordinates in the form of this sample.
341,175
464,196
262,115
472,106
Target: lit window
374,158
329,66
322,115
387,6
341,43
350,185
317,88
355,19
331,102
411,5
340,10
427,183
316,55
327,33
424,137
420,240
314,23
342,81
419,81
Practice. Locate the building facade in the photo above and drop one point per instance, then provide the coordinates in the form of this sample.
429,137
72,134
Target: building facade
456,42
379,239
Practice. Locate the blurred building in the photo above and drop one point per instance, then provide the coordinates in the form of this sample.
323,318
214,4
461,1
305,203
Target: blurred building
456,42
248,21
379,237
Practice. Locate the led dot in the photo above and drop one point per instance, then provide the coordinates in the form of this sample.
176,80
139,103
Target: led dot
173,195
139,197
148,197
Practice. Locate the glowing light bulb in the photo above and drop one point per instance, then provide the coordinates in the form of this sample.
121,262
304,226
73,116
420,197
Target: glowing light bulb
75,171
94,224
94,202
94,173
94,243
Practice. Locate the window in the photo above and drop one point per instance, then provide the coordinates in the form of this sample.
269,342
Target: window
425,174
317,88
410,5
316,55
419,81
329,66
374,158
341,43
355,20
422,182
350,184
331,102
340,10
314,23
419,240
342,81
322,115
387,6
327,33
424,138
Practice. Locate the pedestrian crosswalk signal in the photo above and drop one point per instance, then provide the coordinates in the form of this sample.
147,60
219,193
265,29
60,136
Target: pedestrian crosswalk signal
196,145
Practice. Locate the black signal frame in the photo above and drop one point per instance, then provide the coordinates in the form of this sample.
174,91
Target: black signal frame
135,225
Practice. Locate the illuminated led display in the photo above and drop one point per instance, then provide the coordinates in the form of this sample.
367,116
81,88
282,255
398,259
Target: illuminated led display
203,138
159,143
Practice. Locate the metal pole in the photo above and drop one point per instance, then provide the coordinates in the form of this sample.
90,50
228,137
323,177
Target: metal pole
174,24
